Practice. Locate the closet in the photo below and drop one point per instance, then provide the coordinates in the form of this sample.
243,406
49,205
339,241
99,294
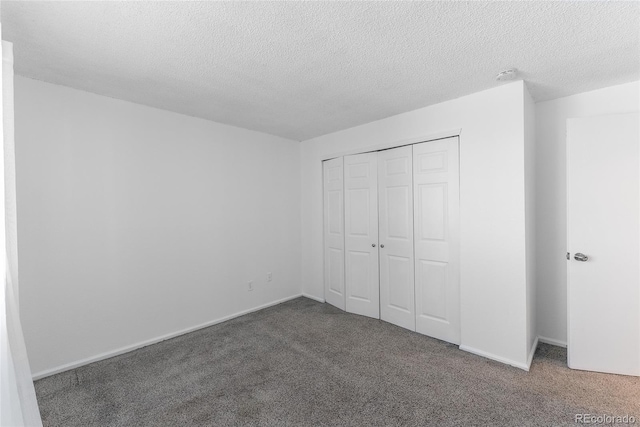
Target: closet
391,239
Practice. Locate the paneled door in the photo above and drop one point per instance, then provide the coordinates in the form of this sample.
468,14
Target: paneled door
362,282
437,242
395,200
334,232
603,241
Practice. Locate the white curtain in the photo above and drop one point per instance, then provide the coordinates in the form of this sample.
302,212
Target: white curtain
18,404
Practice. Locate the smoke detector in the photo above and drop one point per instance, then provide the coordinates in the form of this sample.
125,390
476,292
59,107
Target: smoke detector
505,75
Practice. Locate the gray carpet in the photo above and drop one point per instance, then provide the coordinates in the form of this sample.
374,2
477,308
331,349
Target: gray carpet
303,363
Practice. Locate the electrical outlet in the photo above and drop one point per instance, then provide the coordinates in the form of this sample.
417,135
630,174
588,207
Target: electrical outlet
250,283
269,277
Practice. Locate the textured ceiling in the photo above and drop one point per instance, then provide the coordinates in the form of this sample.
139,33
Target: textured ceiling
303,69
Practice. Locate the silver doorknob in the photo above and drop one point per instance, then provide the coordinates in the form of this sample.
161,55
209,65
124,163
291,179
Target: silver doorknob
373,245
382,246
580,257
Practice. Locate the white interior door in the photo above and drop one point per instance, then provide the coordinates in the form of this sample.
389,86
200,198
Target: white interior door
603,196
334,232
395,200
362,282
436,221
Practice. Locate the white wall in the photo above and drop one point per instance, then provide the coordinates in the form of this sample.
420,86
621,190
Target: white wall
492,184
551,220
530,220
136,222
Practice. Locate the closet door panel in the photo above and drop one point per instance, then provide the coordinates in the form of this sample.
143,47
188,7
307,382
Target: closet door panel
333,189
395,192
361,234
436,218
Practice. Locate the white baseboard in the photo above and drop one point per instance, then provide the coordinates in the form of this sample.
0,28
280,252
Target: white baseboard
313,297
531,353
497,358
552,341
126,349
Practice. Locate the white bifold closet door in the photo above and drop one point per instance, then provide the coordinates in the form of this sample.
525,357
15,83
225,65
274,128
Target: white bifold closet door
395,200
362,282
391,232
436,222
334,232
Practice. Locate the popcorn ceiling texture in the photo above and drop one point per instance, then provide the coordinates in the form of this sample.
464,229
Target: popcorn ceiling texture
304,69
